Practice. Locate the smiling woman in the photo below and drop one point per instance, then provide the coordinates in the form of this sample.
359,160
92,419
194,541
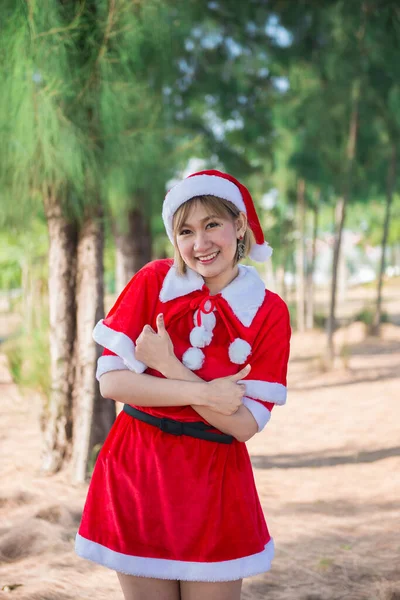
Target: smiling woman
217,213
211,235
197,350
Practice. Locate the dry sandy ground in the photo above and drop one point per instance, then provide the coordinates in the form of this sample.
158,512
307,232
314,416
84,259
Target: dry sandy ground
327,469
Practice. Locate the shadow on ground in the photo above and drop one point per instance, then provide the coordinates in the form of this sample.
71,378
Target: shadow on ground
331,566
340,508
357,376
308,460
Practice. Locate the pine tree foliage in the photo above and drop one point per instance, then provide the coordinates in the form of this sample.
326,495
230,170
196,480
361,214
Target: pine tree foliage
82,105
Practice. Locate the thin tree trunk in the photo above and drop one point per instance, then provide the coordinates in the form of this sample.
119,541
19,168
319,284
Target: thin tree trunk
300,274
286,233
93,415
391,182
57,417
280,278
342,275
269,276
340,215
311,267
133,247
340,220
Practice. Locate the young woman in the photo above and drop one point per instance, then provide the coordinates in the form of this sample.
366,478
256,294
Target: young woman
197,349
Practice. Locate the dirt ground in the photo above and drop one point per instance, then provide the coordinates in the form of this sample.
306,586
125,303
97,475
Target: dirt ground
327,468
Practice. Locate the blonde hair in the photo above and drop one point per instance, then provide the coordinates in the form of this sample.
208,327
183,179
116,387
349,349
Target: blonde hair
218,206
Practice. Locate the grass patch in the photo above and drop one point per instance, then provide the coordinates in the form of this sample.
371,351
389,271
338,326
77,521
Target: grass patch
29,357
325,563
366,315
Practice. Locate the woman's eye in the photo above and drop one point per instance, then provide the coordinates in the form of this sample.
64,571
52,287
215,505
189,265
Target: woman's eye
188,231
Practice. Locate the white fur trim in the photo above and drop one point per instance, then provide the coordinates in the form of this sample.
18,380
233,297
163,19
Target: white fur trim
175,286
266,391
261,413
245,294
109,363
208,320
161,568
120,344
239,351
200,337
199,185
193,359
260,252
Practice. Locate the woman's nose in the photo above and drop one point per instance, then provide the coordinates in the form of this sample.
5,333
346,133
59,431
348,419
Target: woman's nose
201,242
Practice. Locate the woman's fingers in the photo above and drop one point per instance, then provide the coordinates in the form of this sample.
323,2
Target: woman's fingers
160,324
241,374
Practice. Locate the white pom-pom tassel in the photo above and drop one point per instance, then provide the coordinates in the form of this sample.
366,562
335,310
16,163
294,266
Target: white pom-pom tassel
193,359
199,337
260,252
239,351
208,320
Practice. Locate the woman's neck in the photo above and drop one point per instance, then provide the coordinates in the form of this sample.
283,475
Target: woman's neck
219,282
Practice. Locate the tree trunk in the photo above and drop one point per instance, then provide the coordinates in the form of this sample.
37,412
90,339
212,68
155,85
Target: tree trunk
57,417
300,274
133,247
342,275
280,278
93,415
311,267
269,276
340,216
340,220
391,182
286,228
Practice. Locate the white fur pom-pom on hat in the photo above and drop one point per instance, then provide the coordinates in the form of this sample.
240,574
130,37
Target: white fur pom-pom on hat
239,351
221,185
193,359
260,253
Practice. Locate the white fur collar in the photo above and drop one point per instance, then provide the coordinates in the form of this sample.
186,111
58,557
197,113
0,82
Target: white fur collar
245,294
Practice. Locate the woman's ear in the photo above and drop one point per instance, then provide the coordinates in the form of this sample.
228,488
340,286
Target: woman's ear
241,224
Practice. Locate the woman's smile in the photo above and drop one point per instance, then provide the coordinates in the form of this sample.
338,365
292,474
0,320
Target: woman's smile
207,259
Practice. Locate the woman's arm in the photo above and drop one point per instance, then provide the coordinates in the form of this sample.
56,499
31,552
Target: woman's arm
156,350
242,425
219,402
124,386
145,390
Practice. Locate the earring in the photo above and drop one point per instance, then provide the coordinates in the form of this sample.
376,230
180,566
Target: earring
240,248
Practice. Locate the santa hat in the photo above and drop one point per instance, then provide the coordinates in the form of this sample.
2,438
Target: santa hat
222,185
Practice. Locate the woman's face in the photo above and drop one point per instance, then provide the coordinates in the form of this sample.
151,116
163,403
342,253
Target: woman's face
207,244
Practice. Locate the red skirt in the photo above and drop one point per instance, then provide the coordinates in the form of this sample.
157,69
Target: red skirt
173,507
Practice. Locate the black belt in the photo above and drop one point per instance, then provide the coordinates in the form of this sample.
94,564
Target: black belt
197,429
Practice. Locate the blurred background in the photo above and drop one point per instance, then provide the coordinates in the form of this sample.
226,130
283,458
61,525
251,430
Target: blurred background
104,104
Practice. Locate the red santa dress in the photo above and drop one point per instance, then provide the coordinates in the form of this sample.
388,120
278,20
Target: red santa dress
178,507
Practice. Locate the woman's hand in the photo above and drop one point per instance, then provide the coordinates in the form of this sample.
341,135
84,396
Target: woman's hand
155,348
225,395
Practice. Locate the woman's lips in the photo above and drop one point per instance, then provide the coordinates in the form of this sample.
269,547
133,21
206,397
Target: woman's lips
207,261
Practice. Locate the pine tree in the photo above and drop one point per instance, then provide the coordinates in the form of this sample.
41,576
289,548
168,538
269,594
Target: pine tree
80,110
